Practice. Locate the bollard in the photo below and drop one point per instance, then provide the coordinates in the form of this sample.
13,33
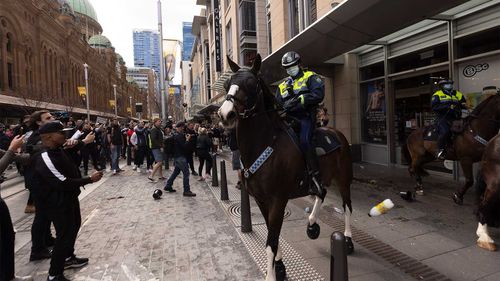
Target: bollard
215,179
246,216
338,257
223,181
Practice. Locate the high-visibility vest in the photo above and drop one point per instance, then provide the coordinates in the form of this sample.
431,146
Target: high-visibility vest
455,97
299,85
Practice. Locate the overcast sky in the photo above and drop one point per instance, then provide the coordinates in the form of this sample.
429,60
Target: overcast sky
119,17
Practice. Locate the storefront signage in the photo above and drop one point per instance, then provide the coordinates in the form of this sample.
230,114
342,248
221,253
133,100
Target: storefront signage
218,54
472,70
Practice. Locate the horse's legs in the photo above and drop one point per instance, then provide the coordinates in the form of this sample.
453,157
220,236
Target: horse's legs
313,228
275,222
345,193
485,209
458,196
416,162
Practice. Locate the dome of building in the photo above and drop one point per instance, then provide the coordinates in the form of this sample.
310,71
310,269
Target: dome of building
99,41
83,7
120,59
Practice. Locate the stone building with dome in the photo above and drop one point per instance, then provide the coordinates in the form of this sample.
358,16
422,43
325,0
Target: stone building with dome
44,45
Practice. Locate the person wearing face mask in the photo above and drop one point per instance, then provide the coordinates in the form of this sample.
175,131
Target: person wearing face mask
300,95
447,104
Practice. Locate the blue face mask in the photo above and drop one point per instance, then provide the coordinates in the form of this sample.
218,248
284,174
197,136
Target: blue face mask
448,87
293,70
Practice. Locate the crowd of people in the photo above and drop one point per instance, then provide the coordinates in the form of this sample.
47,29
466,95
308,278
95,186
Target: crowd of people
53,156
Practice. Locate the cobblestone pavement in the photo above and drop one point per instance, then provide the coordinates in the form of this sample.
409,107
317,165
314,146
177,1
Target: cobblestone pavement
129,236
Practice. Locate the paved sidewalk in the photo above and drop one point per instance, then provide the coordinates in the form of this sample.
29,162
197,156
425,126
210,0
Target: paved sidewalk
129,236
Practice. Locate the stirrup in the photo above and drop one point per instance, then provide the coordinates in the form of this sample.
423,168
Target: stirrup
441,154
316,188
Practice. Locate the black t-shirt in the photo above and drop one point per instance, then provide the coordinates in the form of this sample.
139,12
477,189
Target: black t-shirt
116,135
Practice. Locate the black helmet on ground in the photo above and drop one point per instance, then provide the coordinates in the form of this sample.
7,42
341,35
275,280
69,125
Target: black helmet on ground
290,59
157,194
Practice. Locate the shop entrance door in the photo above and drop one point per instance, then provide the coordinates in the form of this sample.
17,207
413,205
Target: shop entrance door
412,111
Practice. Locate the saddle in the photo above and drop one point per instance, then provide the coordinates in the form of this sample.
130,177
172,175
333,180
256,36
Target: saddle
323,140
431,133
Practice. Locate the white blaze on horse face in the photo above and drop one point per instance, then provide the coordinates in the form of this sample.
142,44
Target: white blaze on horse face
271,273
228,105
314,214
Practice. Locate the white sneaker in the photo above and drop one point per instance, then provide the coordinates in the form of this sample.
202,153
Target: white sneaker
114,172
134,168
207,176
150,171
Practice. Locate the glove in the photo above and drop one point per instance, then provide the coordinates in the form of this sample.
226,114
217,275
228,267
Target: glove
289,82
290,104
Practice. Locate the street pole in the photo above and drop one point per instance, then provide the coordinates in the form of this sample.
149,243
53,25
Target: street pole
162,66
86,66
116,106
130,98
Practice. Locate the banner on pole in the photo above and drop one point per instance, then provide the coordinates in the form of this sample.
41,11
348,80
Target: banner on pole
82,91
218,55
129,109
112,103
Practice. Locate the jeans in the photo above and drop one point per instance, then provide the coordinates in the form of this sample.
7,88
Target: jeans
181,165
6,243
115,156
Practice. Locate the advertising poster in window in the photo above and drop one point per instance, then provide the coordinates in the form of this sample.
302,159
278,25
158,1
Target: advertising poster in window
374,118
479,79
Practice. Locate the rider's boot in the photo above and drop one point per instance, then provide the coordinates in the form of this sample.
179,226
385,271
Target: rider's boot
442,147
315,185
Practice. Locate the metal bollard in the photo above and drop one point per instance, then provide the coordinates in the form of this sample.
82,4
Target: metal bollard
338,257
223,181
215,179
246,216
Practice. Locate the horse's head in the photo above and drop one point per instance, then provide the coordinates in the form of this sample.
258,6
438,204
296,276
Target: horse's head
243,92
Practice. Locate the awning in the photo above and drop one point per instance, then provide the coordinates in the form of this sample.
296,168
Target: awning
218,85
349,25
209,109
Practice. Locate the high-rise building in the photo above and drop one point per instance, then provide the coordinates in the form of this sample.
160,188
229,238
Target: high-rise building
187,40
147,49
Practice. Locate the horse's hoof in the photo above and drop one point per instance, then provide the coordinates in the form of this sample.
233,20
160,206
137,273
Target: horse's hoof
313,231
419,192
349,245
487,245
458,199
280,269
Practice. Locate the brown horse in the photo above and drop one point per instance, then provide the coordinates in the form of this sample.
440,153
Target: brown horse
488,191
251,108
468,147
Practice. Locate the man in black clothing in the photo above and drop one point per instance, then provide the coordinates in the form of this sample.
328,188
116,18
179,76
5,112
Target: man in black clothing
60,181
89,150
191,146
181,142
114,136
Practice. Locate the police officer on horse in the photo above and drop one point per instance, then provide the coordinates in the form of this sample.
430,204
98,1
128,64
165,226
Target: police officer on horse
300,94
447,104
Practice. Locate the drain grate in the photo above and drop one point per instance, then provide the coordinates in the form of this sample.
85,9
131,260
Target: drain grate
407,264
235,210
297,268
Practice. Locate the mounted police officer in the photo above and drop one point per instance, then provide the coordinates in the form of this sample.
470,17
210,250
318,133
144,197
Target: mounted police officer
300,94
447,104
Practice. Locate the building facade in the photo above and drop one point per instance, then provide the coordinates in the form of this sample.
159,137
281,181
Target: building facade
187,40
147,49
42,57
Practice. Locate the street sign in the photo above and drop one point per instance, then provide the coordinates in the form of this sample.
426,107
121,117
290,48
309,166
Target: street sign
82,91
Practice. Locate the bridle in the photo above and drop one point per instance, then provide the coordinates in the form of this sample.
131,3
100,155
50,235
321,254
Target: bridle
249,111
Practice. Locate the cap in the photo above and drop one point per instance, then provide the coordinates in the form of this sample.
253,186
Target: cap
180,124
53,127
2,125
170,117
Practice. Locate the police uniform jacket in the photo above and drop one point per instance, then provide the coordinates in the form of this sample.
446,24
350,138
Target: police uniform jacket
59,179
442,103
308,88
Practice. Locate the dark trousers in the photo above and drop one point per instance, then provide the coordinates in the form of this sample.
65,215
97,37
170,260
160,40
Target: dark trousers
181,165
149,158
190,161
444,131
204,156
6,243
90,152
140,153
129,154
67,222
40,230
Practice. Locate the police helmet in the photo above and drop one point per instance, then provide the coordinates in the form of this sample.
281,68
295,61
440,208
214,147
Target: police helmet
443,82
289,59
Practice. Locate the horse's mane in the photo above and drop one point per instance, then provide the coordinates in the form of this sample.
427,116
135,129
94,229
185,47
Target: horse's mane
482,105
269,99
